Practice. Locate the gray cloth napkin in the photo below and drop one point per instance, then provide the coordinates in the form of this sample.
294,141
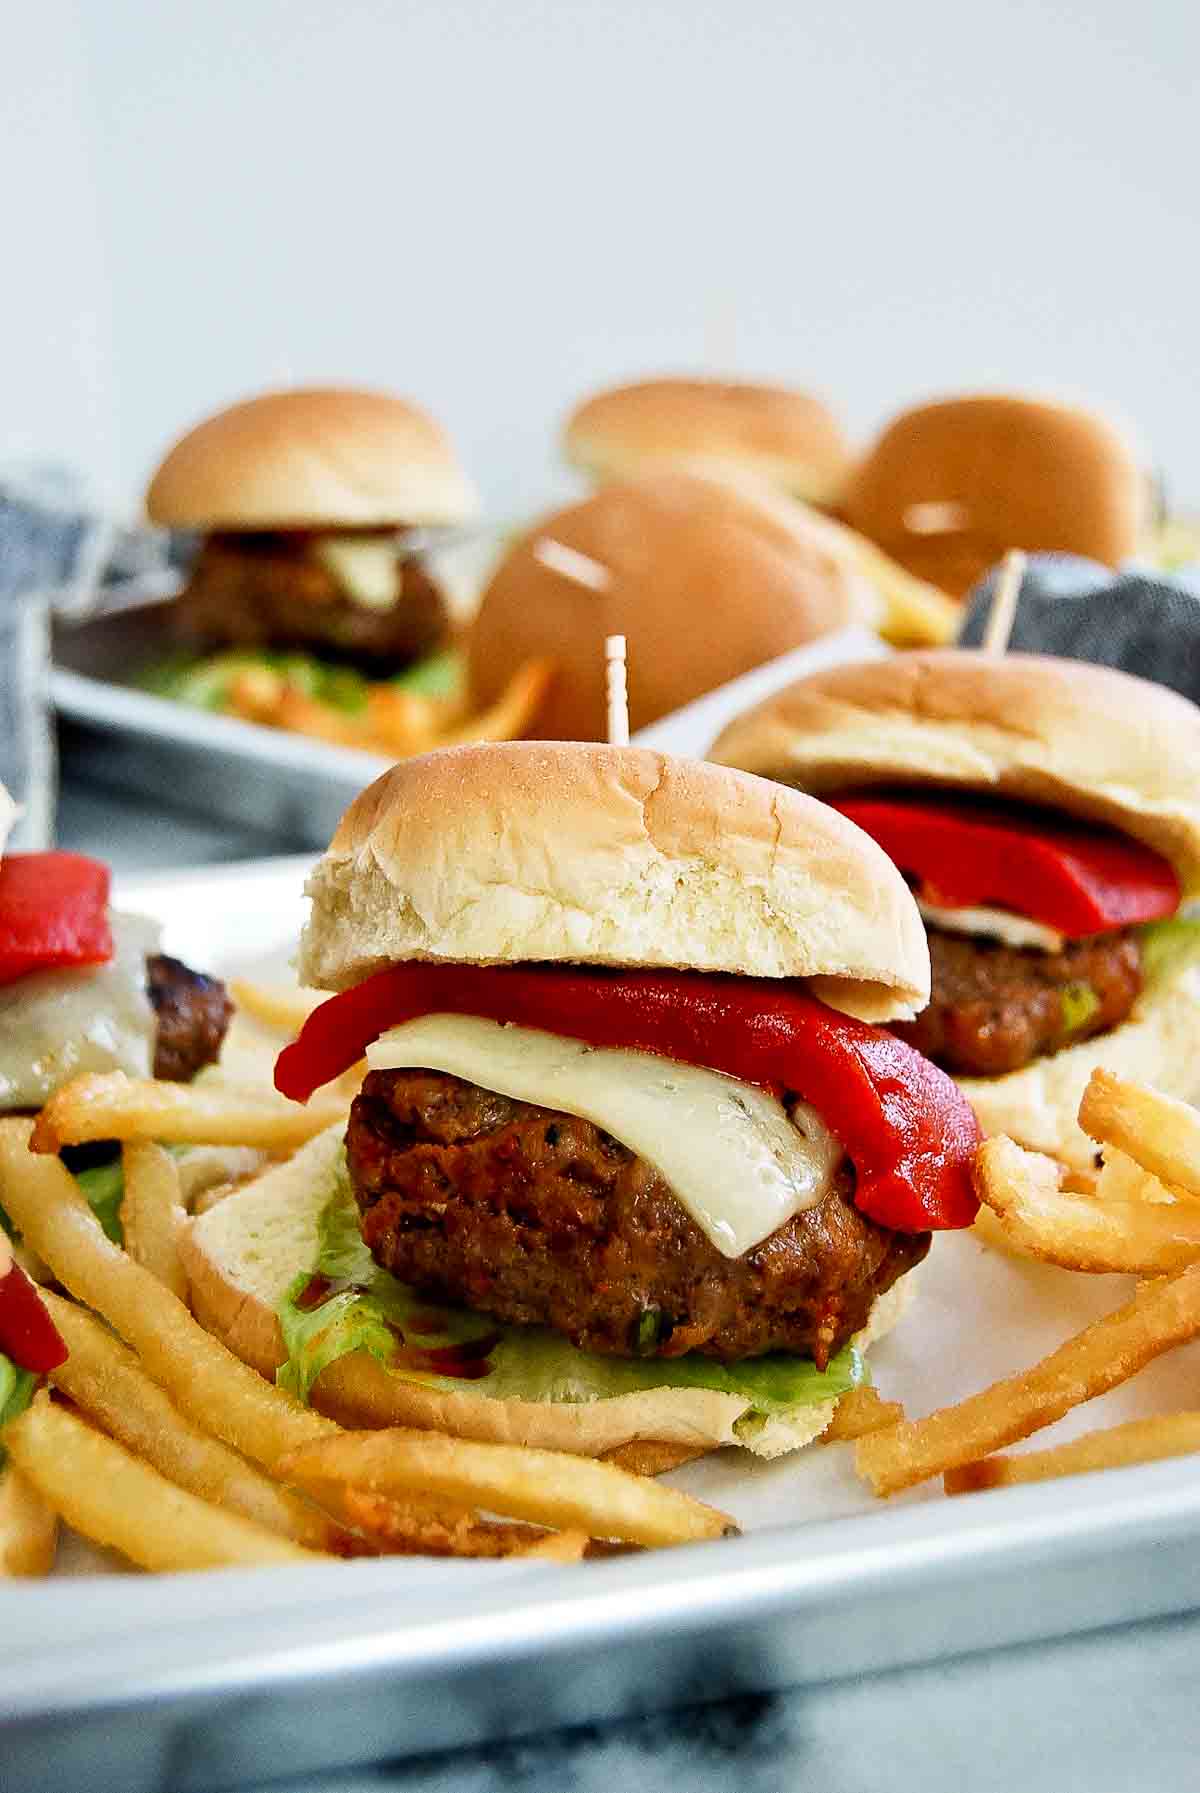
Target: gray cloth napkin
1138,619
58,558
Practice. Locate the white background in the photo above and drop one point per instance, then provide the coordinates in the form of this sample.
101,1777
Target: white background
495,208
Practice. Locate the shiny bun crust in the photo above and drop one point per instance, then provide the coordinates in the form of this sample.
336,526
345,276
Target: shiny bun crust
948,488
321,457
1085,739
704,578
611,856
241,1256
788,437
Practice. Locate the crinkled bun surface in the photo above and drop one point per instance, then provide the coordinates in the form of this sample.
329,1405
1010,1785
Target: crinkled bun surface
595,855
788,437
1085,739
312,457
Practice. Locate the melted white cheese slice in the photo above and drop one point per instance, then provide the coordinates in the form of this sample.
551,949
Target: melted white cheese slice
56,1024
993,924
728,1151
365,567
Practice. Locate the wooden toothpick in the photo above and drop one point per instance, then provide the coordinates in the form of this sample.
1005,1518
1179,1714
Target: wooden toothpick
580,568
1003,612
618,696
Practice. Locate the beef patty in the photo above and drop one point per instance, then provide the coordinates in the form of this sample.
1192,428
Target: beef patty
995,1008
268,590
192,1012
541,1219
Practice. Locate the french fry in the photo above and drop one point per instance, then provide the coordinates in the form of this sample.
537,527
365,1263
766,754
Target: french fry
110,1105
1162,1313
209,1384
1137,1441
1156,1131
1079,1232
283,1009
546,1487
650,1456
860,1411
557,1547
152,1213
512,712
28,1527
414,1525
105,1381
1121,1179
109,1496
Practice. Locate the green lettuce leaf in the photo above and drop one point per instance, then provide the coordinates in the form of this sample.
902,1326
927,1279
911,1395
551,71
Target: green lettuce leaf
366,1309
16,1392
104,1187
1167,947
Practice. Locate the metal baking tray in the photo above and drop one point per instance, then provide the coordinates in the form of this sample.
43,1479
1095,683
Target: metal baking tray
284,785
127,1684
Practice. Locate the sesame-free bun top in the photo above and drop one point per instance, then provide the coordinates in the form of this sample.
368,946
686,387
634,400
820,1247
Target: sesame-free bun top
1085,739
557,851
317,457
949,488
705,579
787,437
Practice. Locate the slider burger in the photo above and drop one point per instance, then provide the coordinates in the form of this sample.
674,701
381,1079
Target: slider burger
949,488
786,438
1047,815
303,499
632,1159
705,579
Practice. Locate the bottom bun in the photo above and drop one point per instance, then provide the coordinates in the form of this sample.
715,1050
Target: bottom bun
1159,1044
241,1256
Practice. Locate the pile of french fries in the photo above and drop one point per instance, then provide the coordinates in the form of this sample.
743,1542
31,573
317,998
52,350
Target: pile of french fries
154,1440
1138,1213
392,722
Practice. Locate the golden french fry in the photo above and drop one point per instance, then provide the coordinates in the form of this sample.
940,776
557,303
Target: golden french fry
1079,1232
415,1525
214,1388
650,1456
152,1213
28,1527
1121,1179
557,1547
109,1496
283,1009
110,1105
860,1411
1156,1131
546,1487
512,712
1162,1313
405,722
105,1380
1137,1441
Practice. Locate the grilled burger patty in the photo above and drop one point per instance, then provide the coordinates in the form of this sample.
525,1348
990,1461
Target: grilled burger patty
192,1012
267,590
541,1219
995,1008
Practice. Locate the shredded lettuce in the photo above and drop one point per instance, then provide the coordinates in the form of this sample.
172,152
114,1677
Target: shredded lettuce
529,1363
1079,1003
16,1392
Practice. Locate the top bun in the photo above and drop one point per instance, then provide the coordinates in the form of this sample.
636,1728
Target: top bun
1086,739
787,437
320,457
704,578
950,487
523,851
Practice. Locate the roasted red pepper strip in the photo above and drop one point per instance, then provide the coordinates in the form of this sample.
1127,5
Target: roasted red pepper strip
909,1132
1076,878
53,912
27,1333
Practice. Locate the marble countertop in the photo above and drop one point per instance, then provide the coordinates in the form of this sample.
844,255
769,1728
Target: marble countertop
1101,1713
